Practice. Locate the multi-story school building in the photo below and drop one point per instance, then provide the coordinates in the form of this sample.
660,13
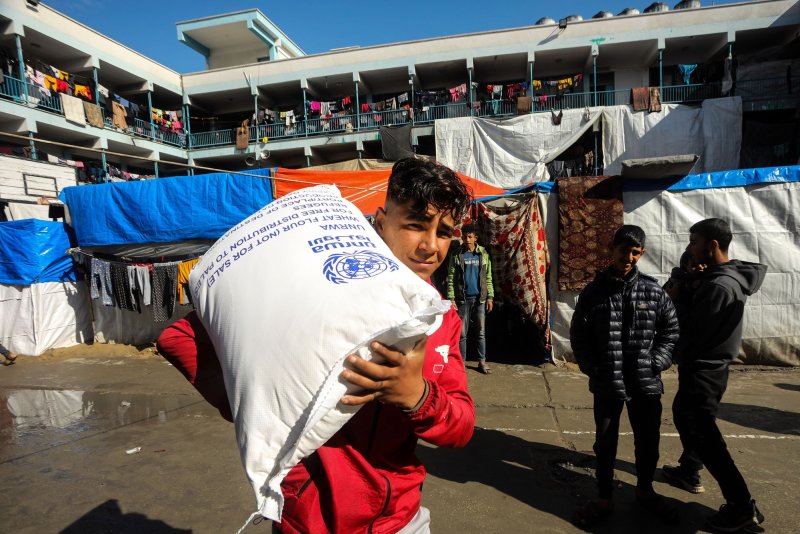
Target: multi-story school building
108,107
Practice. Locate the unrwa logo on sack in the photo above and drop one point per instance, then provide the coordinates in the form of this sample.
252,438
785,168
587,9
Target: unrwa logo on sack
343,267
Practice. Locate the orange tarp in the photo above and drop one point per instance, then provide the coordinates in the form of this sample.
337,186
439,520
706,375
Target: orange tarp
365,189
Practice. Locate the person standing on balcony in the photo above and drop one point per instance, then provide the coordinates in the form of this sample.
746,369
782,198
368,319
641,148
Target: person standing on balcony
623,332
469,285
711,335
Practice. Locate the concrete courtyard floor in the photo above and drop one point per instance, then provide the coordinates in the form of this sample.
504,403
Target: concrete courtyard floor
109,439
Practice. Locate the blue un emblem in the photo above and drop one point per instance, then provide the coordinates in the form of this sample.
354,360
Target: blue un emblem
343,267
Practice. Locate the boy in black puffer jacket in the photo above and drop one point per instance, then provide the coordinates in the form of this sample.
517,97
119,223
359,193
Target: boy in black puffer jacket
623,332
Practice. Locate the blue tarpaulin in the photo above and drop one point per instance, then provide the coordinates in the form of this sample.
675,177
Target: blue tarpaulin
33,251
165,210
710,180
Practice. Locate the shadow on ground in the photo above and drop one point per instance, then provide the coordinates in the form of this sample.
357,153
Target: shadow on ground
761,418
788,387
108,517
551,479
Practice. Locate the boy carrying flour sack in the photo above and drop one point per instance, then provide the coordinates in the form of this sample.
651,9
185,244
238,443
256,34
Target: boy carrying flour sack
366,477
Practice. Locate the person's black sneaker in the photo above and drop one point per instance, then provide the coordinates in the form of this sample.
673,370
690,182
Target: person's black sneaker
732,518
678,477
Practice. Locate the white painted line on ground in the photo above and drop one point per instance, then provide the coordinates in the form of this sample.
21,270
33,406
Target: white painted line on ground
663,435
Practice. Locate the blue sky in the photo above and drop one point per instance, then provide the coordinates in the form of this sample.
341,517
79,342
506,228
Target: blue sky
148,26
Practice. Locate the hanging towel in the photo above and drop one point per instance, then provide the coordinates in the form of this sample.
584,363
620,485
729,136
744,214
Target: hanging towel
119,114
640,98
183,279
94,114
73,109
242,136
655,100
102,90
164,287
523,105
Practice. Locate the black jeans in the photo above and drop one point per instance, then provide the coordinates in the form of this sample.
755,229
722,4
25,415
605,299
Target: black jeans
695,413
644,413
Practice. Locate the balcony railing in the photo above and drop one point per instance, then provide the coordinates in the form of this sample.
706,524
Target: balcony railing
757,94
14,90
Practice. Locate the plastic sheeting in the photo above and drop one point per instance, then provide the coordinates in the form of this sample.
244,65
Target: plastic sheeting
114,325
713,131
764,222
166,209
365,189
509,153
34,251
44,316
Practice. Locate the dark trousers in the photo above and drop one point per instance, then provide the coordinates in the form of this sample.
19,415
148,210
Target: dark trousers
695,413
644,413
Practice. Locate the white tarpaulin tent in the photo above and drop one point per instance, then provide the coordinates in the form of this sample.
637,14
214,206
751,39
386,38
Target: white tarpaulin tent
42,306
763,218
713,131
510,153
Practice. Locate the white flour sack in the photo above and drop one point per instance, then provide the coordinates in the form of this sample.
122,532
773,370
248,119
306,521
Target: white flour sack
286,295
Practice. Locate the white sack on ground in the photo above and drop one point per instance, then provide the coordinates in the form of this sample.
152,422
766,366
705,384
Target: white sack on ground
509,153
712,131
43,316
286,295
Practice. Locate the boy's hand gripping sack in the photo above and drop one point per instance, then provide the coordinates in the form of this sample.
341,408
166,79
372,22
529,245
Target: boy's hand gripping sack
286,295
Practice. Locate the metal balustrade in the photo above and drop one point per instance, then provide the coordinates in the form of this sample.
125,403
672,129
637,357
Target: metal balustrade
12,88
672,94
445,111
768,93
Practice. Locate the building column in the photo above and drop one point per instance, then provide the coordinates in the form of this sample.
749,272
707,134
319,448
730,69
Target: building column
21,60
595,53
187,128
530,80
411,97
104,165
155,168
358,112
661,71
469,91
305,116
33,145
150,115
733,78
95,76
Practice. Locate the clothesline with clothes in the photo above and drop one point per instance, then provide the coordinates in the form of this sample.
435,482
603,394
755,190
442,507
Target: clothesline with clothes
134,285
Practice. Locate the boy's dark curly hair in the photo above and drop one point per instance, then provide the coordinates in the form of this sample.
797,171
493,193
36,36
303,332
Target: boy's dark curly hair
426,183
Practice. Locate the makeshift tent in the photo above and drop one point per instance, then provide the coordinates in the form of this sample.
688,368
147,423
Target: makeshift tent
365,189
761,206
41,304
511,153
157,222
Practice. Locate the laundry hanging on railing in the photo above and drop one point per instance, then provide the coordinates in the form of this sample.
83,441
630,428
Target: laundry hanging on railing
134,286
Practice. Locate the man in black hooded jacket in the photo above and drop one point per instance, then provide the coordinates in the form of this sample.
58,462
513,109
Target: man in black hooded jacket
711,334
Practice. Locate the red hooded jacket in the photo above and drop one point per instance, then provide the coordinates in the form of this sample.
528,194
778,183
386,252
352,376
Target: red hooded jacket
366,478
